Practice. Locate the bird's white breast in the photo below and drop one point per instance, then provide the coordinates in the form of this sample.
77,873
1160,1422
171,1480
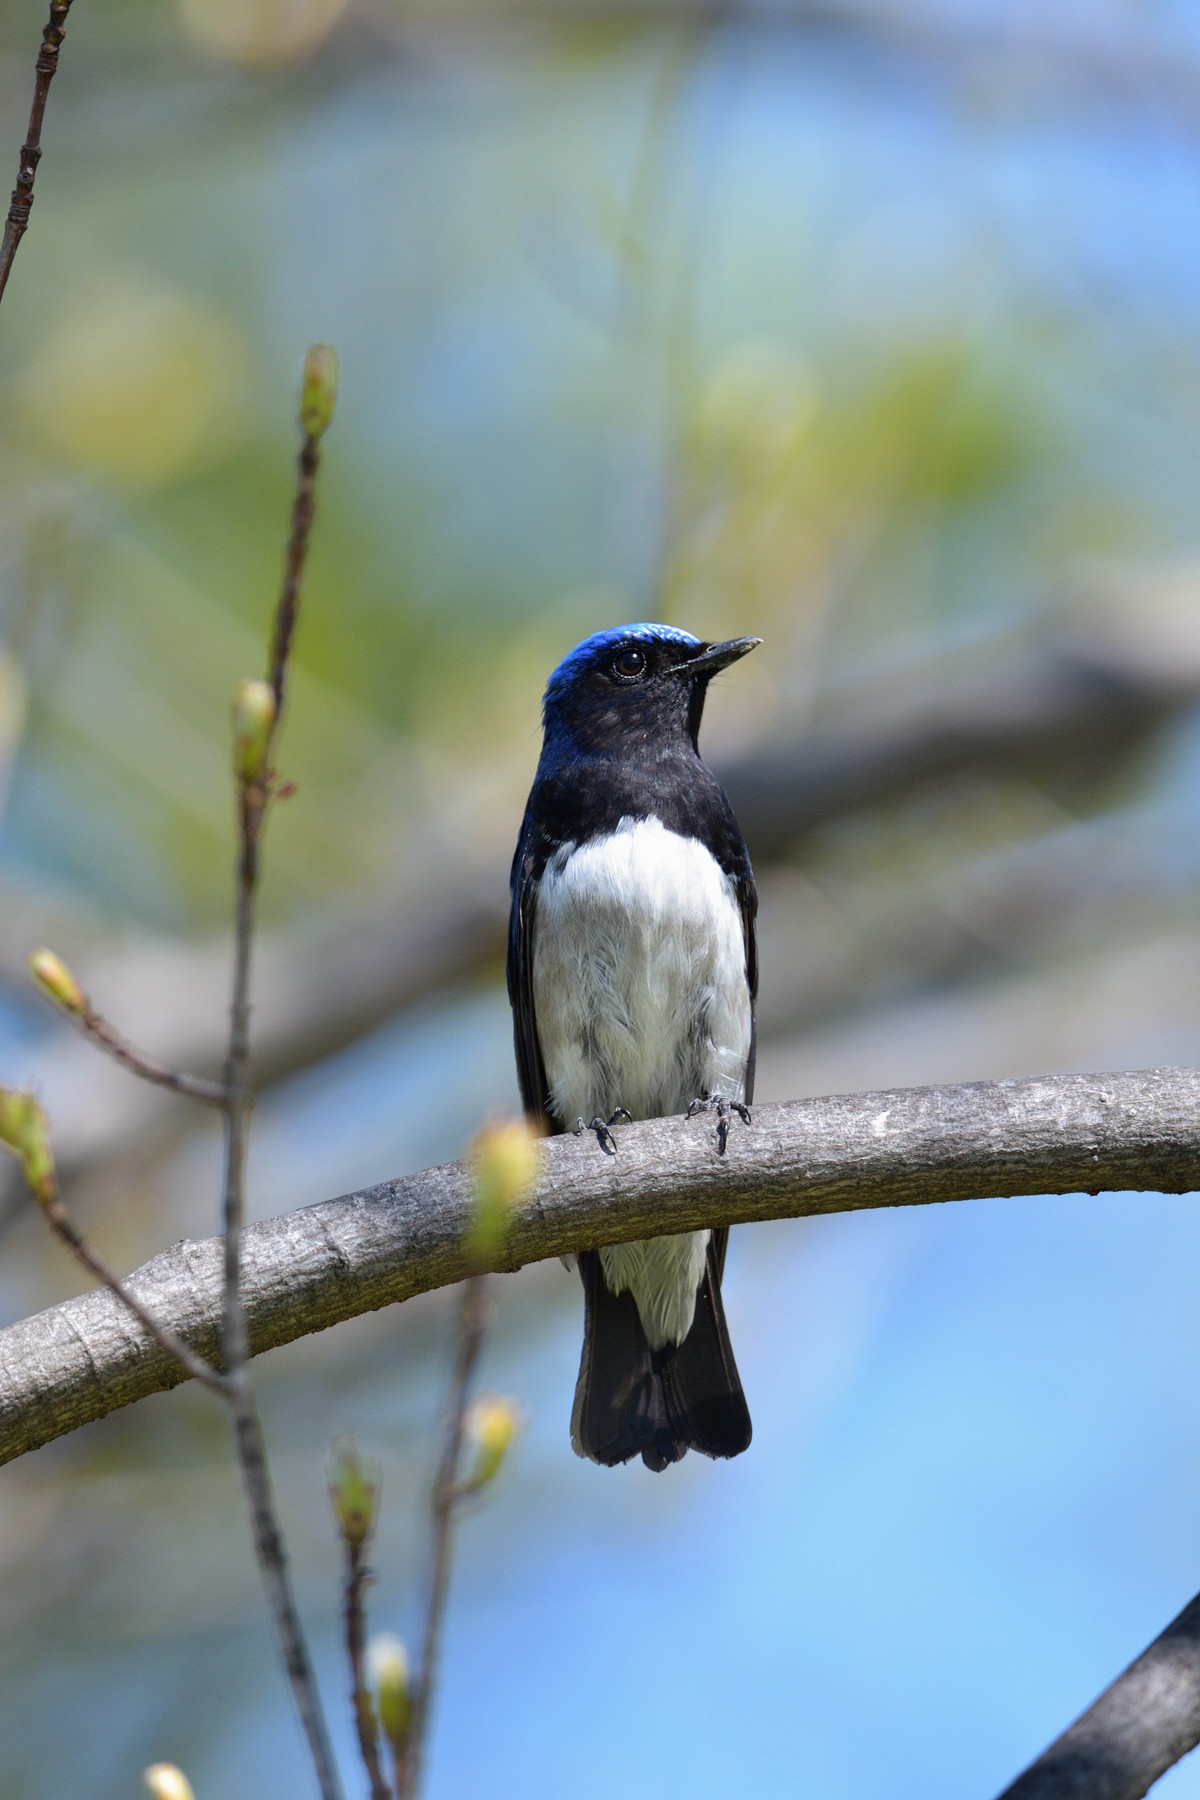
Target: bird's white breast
641,1001
639,975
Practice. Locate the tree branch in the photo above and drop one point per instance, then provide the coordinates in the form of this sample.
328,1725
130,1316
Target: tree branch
1139,1726
96,1030
474,1317
31,150
254,733
309,1269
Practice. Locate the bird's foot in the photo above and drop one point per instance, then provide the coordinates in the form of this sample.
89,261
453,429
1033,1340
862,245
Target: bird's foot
722,1106
603,1129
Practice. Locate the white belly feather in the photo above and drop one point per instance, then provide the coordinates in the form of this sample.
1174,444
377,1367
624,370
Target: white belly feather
641,999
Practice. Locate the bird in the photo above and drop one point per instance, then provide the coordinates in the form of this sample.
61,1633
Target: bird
632,972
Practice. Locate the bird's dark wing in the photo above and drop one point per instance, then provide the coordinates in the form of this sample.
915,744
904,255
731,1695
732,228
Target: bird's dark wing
693,803
747,897
531,1073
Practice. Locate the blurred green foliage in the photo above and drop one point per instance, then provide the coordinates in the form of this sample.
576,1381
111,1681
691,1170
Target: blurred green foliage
563,402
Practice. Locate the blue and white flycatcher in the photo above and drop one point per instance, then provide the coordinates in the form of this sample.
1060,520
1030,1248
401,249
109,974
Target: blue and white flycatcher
632,972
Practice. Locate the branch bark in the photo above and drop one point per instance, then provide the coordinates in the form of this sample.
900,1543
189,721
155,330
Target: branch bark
31,150
309,1269
1139,1726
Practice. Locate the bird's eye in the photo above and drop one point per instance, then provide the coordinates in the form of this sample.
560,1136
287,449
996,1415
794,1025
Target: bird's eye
630,665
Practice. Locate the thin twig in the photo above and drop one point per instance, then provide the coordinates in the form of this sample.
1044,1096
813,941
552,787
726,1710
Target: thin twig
253,795
64,1227
303,507
31,149
357,1577
473,1323
273,1566
98,1031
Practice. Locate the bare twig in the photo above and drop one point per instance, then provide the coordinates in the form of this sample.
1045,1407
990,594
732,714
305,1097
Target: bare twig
358,1576
254,792
473,1323
64,1228
25,1135
31,149
256,717
98,1031
303,507
354,1484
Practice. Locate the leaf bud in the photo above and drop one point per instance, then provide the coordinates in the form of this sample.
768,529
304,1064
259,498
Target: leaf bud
505,1166
166,1782
491,1425
318,390
24,1133
253,723
54,978
353,1489
387,1670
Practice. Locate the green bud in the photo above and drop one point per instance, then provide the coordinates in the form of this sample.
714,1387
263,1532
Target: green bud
505,1162
353,1489
166,1782
387,1671
54,978
253,723
318,389
24,1133
491,1425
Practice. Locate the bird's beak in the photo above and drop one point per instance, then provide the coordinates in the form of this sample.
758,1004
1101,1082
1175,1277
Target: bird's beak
718,656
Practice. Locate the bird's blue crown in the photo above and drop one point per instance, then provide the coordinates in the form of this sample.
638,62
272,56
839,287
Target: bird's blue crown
585,655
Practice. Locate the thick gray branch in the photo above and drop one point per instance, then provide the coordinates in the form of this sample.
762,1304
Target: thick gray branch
1139,1726
311,1268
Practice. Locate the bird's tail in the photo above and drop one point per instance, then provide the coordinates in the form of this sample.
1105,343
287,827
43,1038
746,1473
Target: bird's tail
631,1400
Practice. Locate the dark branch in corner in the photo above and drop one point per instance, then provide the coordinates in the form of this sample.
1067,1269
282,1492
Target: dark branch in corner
31,150
1134,1732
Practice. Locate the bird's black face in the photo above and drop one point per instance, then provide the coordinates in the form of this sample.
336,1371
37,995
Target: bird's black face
634,685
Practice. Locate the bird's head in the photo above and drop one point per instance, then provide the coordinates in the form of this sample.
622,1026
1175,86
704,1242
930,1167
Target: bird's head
634,684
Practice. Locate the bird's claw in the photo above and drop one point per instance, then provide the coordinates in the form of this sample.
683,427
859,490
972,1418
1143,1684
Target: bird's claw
723,1106
602,1129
